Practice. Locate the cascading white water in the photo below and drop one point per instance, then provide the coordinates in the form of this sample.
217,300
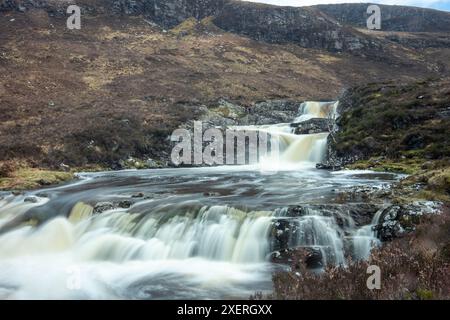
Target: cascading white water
365,239
312,230
304,148
226,244
209,250
314,109
322,233
309,147
298,149
217,233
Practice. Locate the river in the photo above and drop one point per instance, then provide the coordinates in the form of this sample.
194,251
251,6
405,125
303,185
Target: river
186,233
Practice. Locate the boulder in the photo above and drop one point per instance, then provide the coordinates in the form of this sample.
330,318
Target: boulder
397,221
313,126
125,204
138,195
329,166
31,199
102,207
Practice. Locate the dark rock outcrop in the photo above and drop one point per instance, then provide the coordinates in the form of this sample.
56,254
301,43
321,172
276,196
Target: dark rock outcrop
305,26
225,113
169,13
103,206
346,215
8,5
313,126
399,220
393,18
312,27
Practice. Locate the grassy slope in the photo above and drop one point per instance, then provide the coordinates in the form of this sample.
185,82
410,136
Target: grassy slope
401,128
118,87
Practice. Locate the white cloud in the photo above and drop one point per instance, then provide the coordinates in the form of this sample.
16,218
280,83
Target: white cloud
419,3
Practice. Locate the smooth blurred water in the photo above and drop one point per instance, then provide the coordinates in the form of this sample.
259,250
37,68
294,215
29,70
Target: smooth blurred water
200,233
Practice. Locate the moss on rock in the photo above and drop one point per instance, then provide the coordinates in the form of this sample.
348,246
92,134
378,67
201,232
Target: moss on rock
24,178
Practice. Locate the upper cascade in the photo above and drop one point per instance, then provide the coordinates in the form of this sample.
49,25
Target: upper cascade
294,148
320,110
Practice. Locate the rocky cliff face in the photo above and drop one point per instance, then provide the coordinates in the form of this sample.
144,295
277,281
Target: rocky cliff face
169,13
394,18
322,27
278,20
311,27
166,13
307,27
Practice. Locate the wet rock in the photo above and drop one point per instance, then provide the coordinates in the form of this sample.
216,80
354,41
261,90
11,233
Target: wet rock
138,195
311,258
346,215
314,258
31,199
281,234
274,111
102,207
329,166
44,182
211,194
373,194
313,126
398,220
125,204
444,114
42,195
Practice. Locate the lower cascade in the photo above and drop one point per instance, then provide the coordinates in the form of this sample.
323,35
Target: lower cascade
194,233
216,233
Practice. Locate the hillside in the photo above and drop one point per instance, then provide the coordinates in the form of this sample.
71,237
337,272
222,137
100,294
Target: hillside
357,177
138,69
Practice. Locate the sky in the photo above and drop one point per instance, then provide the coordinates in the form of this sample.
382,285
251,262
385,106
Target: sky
436,4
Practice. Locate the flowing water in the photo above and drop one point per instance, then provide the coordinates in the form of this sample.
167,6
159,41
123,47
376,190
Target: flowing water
198,233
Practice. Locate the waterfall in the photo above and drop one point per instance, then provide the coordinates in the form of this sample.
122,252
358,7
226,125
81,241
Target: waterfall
300,149
322,233
181,253
217,233
365,239
196,233
313,109
305,148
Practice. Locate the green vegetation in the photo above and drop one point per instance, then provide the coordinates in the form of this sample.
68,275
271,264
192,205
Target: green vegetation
406,166
396,121
401,128
24,178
